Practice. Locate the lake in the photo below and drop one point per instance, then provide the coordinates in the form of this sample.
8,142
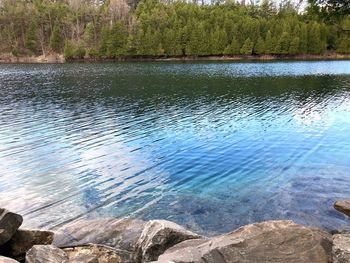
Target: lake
209,145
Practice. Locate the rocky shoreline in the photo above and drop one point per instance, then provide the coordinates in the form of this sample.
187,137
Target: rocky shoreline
55,58
133,240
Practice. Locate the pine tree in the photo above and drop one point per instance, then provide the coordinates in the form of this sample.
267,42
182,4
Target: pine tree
218,42
194,46
269,45
117,40
247,47
259,47
31,36
233,48
104,41
294,46
56,40
283,44
68,50
303,40
314,39
344,45
89,34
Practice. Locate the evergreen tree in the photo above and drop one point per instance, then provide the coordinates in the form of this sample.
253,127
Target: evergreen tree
314,39
194,45
233,48
56,40
117,40
155,28
294,46
283,44
68,50
218,42
31,36
303,40
89,34
247,47
269,45
344,45
104,41
259,47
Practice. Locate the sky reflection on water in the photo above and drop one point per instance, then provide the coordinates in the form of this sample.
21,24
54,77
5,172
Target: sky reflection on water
211,146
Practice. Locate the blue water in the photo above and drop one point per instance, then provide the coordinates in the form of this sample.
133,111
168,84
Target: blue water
209,145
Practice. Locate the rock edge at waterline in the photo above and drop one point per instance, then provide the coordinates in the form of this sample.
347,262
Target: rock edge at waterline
126,240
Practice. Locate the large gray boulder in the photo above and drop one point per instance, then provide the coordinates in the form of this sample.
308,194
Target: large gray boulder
9,223
157,236
46,254
117,233
23,240
271,241
7,260
341,248
93,254
343,206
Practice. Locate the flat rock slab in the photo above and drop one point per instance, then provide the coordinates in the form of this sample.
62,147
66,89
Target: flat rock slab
341,248
157,236
7,260
93,254
46,254
270,241
9,223
117,233
343,206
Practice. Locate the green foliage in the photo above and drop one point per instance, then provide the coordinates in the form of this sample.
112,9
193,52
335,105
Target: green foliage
344,45
269,43
73,51
294,46
247,47
79,52
68,50
176,28
117,40
92,53
56,40
233,48
259,47
282,47
314,39
15,51
31,37
89,34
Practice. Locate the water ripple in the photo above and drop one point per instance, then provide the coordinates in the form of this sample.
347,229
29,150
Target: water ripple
209,145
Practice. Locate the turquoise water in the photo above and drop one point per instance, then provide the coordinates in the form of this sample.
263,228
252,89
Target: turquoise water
212,146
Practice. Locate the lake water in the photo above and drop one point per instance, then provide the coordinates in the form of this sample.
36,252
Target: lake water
209,145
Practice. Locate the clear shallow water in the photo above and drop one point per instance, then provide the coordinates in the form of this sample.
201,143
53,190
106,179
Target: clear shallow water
212,146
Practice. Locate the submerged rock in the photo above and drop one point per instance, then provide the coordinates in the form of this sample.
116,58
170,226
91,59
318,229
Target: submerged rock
93,254
7,260
157,236
23,240
343,206
117,233
341,248
270,241
46,254
9,223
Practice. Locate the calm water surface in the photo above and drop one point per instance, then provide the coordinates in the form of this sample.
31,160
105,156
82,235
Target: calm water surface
211,146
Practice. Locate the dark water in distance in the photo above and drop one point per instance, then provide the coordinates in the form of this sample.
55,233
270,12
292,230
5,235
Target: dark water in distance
212,146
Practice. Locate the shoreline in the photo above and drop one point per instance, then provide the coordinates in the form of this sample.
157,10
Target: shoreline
127,240
59,58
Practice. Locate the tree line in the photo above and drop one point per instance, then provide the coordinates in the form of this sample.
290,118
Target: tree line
118,28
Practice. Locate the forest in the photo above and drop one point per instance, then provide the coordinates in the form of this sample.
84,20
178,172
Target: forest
113,29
